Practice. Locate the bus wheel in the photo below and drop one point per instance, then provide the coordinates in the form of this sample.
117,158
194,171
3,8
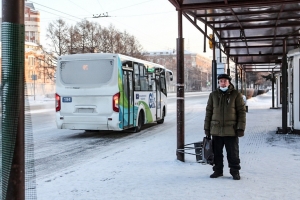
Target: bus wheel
140,122
161,121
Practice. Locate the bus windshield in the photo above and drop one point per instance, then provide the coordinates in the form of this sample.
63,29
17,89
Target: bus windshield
86,72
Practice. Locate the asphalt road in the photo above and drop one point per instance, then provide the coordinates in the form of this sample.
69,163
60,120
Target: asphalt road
56,149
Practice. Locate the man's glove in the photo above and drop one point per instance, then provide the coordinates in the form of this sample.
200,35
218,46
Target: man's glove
207,133
240,132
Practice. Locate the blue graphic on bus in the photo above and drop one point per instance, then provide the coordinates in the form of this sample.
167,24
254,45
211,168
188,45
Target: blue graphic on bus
151,101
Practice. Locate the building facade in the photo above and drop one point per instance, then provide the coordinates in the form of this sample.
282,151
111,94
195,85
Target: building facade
197,68
32,24
39,66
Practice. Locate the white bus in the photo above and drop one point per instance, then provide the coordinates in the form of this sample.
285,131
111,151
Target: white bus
103,91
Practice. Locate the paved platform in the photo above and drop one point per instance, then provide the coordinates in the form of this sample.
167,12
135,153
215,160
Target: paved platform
149,170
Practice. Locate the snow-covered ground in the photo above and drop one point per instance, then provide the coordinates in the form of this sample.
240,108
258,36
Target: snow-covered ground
146,167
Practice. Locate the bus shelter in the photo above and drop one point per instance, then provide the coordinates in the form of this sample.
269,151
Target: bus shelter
256,35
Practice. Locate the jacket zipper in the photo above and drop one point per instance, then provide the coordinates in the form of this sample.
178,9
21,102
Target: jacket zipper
223,105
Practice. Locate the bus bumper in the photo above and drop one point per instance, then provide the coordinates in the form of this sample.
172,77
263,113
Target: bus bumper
88,122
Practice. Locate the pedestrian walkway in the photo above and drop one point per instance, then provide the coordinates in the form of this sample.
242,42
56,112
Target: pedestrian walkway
147,169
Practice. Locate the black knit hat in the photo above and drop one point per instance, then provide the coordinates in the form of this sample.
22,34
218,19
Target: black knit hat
224,76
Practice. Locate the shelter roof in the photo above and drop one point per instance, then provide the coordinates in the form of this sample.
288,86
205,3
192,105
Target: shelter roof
250,32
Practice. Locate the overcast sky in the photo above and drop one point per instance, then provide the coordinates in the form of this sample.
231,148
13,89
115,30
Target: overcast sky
153,22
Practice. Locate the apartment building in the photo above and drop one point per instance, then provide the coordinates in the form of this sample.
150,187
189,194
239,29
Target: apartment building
197,68
32,24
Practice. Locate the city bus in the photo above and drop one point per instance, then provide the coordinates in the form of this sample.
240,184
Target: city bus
105,91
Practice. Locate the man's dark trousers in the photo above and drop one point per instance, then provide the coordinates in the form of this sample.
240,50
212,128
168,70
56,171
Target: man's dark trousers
231,144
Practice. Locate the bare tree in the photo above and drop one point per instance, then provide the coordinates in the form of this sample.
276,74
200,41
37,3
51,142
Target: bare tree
133,47
87,37
103,43
72,40
81,28
57,32
46,65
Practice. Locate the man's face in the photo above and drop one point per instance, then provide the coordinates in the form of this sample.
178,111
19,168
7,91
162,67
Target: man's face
223,82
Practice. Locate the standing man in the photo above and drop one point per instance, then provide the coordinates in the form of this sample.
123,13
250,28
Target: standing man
225,120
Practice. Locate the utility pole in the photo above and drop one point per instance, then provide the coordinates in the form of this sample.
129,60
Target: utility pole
12,127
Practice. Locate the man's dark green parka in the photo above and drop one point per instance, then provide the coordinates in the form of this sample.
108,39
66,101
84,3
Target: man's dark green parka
225,112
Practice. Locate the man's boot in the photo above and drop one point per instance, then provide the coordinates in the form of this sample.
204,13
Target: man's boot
216,174
235,175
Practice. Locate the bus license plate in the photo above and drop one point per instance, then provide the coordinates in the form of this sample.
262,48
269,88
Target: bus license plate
67,99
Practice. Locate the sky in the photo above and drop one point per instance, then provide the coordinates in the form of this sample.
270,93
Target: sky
144,166
152,22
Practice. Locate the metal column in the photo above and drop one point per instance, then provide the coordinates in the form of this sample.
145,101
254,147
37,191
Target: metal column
284,86
12,99
242,89
214,66
236,75
228,69
273,95
180,89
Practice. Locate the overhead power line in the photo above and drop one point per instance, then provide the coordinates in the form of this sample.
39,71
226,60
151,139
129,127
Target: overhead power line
100,5
55,10
56,14
130,6
80,7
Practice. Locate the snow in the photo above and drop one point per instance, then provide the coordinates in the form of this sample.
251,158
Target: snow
145,166
39,103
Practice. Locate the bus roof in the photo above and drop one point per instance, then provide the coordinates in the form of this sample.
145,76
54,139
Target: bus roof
108,55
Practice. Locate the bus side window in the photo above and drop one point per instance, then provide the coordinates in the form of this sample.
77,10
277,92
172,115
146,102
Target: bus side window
163,84
150,81
143,78
137,85
144,83
153,84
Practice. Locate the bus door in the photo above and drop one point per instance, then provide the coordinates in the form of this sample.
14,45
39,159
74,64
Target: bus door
128,107
158,94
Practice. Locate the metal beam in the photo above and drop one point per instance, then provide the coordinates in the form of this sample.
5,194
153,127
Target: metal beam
235,4
255,54
175,4
265,37
227,14
258,26
276,25
198,27
251,20
255,46
259,70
